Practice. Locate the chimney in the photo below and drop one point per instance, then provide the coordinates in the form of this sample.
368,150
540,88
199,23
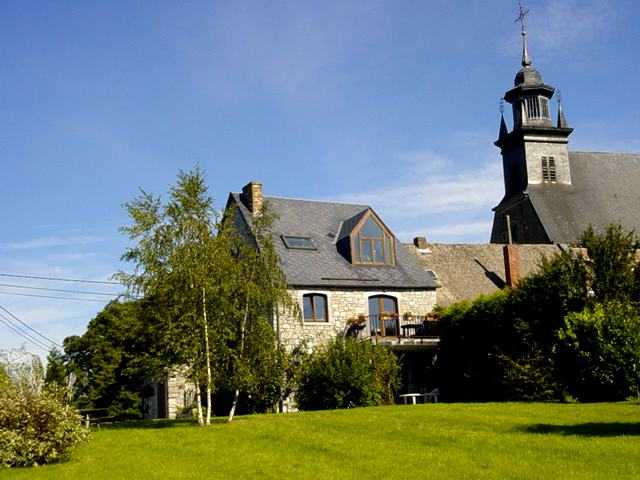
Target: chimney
421,245
511,264
251,196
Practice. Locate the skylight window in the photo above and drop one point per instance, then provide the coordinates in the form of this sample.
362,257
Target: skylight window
298,243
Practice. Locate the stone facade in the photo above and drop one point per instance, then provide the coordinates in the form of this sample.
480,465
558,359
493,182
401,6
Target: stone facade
170,397
342,305
180,394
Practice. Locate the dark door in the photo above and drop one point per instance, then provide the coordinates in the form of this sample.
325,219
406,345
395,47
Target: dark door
161,395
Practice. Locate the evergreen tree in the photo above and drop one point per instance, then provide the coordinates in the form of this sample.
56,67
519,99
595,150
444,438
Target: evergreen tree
56,370
112,360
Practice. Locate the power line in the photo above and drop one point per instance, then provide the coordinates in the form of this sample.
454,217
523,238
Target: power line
10,285
24,335
30,327
101,300
59,279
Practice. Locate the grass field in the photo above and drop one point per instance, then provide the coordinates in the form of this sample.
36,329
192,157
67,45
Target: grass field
512,440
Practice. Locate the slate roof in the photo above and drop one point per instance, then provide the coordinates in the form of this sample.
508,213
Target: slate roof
325,267
605,189
469,270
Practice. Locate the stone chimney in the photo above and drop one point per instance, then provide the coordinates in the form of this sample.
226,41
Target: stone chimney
511,265
252,197
420,243
422,247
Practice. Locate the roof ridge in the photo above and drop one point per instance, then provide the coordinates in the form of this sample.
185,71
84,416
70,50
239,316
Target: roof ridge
604,153
308,200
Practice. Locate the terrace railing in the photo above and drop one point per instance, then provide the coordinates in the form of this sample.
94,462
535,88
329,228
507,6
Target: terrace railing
392,327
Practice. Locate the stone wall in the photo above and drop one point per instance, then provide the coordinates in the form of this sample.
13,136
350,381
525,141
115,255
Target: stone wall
180,393
343,305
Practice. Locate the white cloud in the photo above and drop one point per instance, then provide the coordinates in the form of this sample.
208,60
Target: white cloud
52,242
431,185
449,231
566,22
562,25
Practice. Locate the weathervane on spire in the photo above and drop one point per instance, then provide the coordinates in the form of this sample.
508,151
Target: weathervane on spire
522,18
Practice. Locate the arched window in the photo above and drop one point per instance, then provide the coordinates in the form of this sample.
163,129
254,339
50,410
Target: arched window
536,107
383,316
314,307
372,243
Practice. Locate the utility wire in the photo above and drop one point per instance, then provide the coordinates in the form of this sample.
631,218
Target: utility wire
10,285
59,279
24,335
30,327
101,300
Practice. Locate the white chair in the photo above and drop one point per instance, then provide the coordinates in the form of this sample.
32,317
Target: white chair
432,395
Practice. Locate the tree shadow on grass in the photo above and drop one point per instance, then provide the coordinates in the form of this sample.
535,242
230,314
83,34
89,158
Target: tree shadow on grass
161,423
594,429
151,424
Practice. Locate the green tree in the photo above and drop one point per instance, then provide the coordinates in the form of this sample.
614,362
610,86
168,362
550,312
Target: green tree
56,369
257,289
599,349
506,346
214,289
112,359
613,263
175,263
346,373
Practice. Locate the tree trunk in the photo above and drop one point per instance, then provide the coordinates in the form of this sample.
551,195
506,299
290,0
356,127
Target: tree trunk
236,394
199,404
207,355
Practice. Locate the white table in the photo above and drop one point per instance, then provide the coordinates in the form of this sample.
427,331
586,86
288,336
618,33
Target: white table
412,396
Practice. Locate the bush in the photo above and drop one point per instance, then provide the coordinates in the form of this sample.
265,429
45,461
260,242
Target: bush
346,373
36,427
599,352
4,378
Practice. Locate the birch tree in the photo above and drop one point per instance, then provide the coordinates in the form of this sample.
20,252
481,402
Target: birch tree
175,256
258,289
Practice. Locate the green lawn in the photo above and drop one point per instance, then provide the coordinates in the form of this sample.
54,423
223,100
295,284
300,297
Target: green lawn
511,440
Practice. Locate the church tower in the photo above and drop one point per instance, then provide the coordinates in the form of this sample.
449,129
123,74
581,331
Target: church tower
534,153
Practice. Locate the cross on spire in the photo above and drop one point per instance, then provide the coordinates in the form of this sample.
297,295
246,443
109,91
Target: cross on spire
522,18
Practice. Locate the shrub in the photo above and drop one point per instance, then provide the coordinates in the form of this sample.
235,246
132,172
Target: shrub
36,427
346,373
4,378
599,352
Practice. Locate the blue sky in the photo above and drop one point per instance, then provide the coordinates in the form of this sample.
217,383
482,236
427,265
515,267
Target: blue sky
392,103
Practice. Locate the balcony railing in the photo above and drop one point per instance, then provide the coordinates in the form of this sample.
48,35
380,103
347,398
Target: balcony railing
393,328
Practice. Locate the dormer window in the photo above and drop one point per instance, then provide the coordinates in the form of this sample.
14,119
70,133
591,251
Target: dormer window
372,243
549,170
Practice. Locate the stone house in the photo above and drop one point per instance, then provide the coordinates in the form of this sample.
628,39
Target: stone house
349,275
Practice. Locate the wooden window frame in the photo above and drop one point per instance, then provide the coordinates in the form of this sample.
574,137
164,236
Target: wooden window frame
314,317
389,257
383,315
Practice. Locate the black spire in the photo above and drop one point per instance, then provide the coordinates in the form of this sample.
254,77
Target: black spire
522,18
562,120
